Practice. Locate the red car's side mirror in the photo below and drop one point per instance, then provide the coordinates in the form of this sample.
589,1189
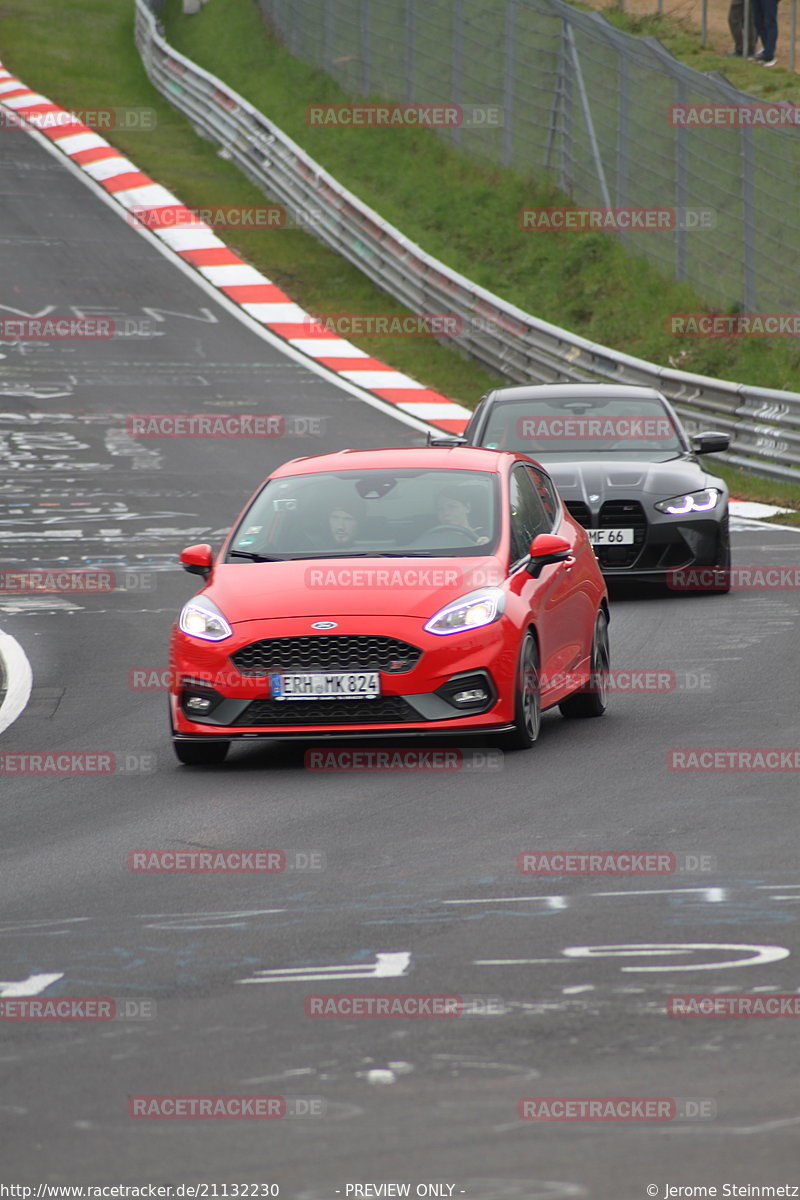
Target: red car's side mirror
197,560
547,548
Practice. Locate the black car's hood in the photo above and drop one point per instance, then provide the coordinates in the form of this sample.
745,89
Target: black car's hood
597,480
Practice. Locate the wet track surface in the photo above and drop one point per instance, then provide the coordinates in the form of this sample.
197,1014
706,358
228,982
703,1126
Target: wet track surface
415,864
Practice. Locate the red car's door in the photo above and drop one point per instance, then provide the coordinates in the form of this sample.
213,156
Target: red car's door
559,600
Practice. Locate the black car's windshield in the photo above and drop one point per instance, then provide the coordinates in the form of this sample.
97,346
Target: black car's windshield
561,429
381,512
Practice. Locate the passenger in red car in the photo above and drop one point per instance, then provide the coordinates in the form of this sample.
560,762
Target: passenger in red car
343,527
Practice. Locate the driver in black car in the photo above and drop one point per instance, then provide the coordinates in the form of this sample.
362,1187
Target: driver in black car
453,509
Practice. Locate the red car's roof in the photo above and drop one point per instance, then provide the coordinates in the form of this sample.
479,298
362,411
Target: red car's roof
456,458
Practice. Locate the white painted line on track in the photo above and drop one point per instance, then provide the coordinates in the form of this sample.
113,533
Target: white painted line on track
31,986
18,677
386,966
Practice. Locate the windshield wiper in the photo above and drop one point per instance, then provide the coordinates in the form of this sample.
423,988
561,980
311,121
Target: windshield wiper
255,557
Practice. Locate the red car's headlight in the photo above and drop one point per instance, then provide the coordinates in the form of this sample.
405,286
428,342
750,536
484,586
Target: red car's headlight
478,608
201,618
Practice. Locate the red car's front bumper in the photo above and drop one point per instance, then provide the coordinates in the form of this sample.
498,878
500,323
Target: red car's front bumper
411,701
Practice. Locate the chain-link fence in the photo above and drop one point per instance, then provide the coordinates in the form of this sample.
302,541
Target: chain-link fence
764,425
591,107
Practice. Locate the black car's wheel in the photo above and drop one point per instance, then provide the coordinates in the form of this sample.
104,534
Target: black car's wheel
528,703
593,701
200,754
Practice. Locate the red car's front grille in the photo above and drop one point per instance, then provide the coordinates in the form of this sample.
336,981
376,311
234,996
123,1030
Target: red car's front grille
358,652
386,709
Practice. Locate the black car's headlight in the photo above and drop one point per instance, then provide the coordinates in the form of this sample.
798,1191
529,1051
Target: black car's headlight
472,611
690,502
201,618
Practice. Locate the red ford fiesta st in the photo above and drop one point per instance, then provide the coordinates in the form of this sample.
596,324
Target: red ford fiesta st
397,592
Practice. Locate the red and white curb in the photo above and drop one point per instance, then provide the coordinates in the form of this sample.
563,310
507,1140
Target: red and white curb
197,245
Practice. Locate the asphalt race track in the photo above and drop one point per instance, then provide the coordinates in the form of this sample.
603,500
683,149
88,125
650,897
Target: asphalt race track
569,975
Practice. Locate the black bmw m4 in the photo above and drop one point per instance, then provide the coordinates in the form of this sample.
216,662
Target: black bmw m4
626,469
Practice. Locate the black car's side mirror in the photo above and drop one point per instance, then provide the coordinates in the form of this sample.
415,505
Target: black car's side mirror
710,443
446,439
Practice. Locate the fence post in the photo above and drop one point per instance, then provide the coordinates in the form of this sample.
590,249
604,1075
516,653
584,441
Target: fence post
622,130
457,63
587,116
792,34
681,188
411,38
365,50
508,83
328,36
749,285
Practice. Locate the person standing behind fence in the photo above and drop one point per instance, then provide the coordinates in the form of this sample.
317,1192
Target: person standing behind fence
765,19
736,26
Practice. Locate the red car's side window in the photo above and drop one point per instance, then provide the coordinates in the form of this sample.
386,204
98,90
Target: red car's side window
528,514
546,492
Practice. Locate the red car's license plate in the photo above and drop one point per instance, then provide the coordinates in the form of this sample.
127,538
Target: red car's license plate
333,685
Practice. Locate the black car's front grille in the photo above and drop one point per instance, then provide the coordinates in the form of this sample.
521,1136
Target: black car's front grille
359,652
580,512
622,514
386,709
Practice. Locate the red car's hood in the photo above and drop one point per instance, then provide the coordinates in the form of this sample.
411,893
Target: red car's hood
323,587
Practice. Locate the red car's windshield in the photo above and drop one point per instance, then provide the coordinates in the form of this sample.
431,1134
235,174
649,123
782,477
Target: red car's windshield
402,512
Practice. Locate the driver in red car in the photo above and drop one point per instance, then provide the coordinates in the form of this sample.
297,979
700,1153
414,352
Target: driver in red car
454,509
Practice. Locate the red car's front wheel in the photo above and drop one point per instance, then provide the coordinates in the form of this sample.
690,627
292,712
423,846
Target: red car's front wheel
592,701
528,699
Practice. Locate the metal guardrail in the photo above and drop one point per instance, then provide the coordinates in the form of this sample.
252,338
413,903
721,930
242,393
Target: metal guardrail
764,425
